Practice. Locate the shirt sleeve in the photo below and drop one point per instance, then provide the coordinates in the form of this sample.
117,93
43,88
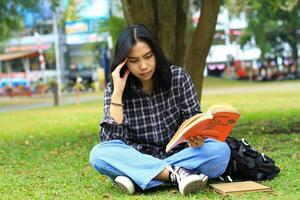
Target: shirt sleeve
189,99
109,128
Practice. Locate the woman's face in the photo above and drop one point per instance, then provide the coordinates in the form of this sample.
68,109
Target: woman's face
141,61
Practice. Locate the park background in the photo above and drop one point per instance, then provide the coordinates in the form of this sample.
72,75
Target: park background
44,149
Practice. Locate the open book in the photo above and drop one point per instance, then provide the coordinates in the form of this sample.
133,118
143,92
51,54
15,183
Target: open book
216,123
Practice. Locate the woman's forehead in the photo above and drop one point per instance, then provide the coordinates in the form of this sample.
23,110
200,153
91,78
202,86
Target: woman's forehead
139,49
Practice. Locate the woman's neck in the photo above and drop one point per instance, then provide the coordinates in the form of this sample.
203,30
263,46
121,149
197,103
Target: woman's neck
148,86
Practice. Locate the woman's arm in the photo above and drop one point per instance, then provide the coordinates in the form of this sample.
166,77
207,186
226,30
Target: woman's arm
112,125
189,100
116,104
190,106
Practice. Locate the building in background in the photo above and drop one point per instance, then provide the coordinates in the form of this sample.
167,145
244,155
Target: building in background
77,44
85,43
225,51
29,55
228,59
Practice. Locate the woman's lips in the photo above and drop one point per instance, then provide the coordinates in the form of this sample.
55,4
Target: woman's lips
145,74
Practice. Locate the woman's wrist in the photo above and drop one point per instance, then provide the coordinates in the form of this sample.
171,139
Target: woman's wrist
117,104
116,98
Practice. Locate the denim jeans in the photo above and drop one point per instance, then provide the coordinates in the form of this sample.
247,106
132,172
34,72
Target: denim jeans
114,158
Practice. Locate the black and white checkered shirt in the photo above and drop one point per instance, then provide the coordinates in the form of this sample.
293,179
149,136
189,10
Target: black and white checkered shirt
151,120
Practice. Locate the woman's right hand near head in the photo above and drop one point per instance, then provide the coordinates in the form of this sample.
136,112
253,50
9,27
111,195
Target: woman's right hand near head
116,110
118,81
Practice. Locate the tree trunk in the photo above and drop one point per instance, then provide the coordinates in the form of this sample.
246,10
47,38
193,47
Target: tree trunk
295,54
166,19
140,11
198,49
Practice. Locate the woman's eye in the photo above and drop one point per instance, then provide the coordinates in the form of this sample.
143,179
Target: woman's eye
149,56
133,61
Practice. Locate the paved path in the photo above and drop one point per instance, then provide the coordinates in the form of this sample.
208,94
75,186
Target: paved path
49,102
279,86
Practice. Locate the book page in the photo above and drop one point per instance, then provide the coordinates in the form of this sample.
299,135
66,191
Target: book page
216,123
221,108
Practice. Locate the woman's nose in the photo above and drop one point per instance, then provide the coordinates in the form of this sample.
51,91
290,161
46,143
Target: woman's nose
143,65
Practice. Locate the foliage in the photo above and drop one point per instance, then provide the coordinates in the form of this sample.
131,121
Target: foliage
70,13
114,26
168,21
44,153
271,22
12,11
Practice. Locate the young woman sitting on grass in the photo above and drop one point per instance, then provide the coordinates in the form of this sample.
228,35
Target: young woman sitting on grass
145,103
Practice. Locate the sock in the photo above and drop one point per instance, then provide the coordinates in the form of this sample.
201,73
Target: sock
172,177
172,174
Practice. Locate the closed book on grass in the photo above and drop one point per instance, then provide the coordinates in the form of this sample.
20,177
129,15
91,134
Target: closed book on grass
239,187
216,123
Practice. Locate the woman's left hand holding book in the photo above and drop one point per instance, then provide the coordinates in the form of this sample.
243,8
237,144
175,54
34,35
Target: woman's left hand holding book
196,141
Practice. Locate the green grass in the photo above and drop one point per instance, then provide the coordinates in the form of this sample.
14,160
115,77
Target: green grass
44,152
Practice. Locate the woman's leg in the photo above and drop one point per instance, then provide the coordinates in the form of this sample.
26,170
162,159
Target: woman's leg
114,158
210,159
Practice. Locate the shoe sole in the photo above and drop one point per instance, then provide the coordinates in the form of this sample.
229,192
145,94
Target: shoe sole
191,184
125,184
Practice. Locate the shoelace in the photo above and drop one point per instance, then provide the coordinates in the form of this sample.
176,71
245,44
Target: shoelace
183,172
174,175
178,173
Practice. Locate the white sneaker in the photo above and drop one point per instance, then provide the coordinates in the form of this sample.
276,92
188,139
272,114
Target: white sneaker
125,184
188,181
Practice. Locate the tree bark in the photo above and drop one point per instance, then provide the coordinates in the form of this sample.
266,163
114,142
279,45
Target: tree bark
167,19
180,34
198,49
295,55
140,11
167,26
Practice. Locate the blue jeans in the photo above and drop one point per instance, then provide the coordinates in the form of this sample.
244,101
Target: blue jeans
114,158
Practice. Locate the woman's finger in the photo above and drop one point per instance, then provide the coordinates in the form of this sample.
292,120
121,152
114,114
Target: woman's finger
196,141
126,75
199,138
119,67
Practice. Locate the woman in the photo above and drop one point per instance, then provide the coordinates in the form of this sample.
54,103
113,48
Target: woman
144,105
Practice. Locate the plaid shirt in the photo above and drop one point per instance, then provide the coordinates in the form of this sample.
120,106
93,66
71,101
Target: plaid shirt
150,121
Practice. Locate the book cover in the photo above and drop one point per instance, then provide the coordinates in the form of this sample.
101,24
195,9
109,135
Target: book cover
216,123
236,187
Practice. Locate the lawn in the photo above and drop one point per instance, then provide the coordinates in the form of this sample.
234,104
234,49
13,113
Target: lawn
44,152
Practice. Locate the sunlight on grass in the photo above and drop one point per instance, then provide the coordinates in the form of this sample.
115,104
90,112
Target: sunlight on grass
50,121
44,153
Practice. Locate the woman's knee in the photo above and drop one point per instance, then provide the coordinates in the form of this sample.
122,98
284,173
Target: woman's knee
224,151
224,156
217,157
219,150
102,153
221,159
95,156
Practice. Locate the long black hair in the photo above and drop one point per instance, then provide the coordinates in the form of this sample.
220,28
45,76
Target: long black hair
162,76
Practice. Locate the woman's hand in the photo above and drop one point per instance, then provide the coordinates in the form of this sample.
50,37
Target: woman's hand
118,81
196,141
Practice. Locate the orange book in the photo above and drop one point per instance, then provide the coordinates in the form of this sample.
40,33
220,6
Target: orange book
216,123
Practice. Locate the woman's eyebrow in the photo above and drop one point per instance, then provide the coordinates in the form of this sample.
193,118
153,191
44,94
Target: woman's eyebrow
132,57
147,53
